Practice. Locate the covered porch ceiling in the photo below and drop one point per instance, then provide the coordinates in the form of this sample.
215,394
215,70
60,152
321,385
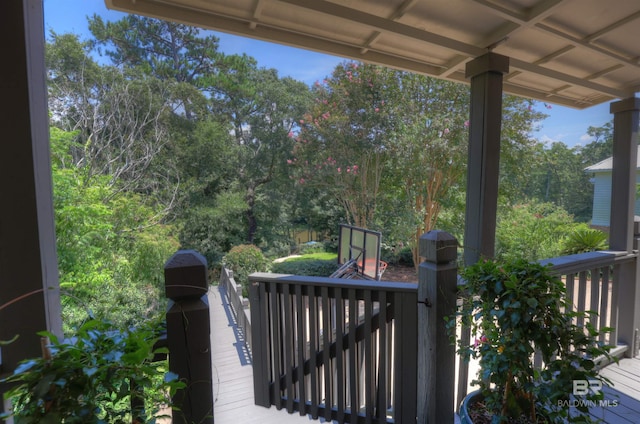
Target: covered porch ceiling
576,53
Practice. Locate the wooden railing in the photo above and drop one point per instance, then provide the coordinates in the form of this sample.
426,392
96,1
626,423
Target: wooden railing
358,350
368,351
593,282
343,350
239,304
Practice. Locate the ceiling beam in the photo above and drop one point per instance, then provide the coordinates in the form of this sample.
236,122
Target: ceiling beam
588,45
570,79
257,13
397,14
604,31
384,25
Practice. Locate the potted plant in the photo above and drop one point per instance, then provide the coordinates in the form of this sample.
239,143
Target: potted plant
517,310
101,374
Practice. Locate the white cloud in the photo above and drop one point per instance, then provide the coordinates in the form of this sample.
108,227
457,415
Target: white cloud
586,138
546,140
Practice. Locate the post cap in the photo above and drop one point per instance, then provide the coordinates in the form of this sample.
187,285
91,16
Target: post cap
185,275
438,246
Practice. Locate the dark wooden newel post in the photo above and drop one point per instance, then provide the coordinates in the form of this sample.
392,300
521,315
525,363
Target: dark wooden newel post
437,292
188,335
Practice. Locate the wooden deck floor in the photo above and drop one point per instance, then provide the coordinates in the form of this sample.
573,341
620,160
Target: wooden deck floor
233,373
233,379
626,391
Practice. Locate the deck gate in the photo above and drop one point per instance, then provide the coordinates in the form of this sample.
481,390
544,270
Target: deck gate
344,350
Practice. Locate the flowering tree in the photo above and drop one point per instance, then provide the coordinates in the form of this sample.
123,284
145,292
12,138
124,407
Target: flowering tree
394,144
429,147
341,145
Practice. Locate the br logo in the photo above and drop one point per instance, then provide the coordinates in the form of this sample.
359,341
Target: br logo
583,387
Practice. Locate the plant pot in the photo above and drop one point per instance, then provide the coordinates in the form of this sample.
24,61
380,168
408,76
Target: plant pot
467,402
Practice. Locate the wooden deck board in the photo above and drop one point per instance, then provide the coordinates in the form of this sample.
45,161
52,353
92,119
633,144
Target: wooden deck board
233,374
625,377
233,379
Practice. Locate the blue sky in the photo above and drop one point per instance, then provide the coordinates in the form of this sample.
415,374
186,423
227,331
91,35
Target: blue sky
563,124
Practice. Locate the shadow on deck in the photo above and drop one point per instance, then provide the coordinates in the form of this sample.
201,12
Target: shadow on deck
233,378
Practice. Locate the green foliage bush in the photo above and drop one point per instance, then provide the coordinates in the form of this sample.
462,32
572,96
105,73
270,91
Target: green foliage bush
532,231
396,255
331,245
243,260
213,230
111,245
584,239
91,377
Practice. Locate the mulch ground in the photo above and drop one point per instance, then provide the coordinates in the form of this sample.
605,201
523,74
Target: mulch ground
406,274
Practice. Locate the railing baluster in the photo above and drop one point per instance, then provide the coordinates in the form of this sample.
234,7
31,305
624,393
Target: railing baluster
406,352
326,357
301,343
352,353
613,316
570,283
276,343
582,295
339,361
604,320
594,300
382,360
288,353
368,358
260,349
314,341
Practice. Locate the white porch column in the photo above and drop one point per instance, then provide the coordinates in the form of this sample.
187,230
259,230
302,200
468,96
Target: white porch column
28,263
623,195
485,123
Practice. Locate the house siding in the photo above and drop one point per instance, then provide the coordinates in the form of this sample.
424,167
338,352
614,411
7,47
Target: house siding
602,199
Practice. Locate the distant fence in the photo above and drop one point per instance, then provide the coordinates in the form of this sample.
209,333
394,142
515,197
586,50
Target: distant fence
239,304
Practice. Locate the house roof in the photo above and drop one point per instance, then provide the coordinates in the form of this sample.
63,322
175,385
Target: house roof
577,53
607,165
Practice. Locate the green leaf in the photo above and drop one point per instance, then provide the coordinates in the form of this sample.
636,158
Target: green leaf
43,386
7,342
90,371
25,366
170,376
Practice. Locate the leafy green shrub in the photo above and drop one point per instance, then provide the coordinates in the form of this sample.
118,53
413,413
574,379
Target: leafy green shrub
584,239
331,245
278,249
532,231
111,247
405,257
243,260
91,377
216,229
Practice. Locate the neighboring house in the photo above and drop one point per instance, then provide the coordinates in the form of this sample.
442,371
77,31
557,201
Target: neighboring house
601,172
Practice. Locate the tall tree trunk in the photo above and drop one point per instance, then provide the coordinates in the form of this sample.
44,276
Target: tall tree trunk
250,216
